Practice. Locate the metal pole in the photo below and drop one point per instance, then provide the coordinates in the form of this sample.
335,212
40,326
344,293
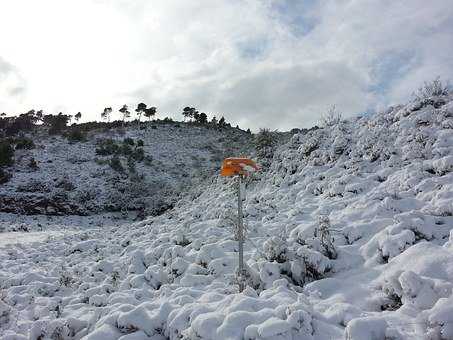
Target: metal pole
240,238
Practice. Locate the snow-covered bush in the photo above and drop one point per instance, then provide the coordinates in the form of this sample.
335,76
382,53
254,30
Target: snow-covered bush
34,185
76,135
440,322
389,243
331,117
115,164
66,279
372,328
24,143
6,153
276,249
433,88
4,312
5,176
323,234
416,291
299,263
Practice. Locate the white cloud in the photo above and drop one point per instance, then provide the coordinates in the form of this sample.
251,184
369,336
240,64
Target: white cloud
260,63
12,85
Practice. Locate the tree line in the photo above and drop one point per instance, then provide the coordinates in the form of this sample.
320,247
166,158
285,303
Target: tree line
56,123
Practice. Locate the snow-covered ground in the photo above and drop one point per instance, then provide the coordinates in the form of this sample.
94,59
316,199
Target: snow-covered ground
49,223
72,178
349,235
8,238
22,229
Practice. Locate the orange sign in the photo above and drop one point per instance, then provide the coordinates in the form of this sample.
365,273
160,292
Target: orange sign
237,166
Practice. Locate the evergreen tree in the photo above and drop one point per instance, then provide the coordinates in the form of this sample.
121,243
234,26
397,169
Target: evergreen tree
203,118
222,122
189,112
150,112
196,116
125,112
39,115
106,113
141,108
56,123
265,144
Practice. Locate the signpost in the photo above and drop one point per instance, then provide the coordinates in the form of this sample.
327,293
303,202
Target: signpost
239,167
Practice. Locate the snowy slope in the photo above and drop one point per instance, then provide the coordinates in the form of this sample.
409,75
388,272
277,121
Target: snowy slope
349,236
73,179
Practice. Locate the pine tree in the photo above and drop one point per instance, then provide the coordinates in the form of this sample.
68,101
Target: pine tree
141,108
203,118
190,112
106,114
265,144
150,112
39,115
125,112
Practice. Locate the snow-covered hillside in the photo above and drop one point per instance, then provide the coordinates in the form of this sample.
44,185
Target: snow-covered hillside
348,236
76,178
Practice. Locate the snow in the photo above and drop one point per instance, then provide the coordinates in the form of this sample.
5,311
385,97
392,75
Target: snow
349,235
372,328
23,238
72,179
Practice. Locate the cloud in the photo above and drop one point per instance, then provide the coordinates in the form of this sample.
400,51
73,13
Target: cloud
12,86
278,96
399,44
274,63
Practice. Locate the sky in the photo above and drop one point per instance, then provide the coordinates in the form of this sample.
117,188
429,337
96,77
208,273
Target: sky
278,64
